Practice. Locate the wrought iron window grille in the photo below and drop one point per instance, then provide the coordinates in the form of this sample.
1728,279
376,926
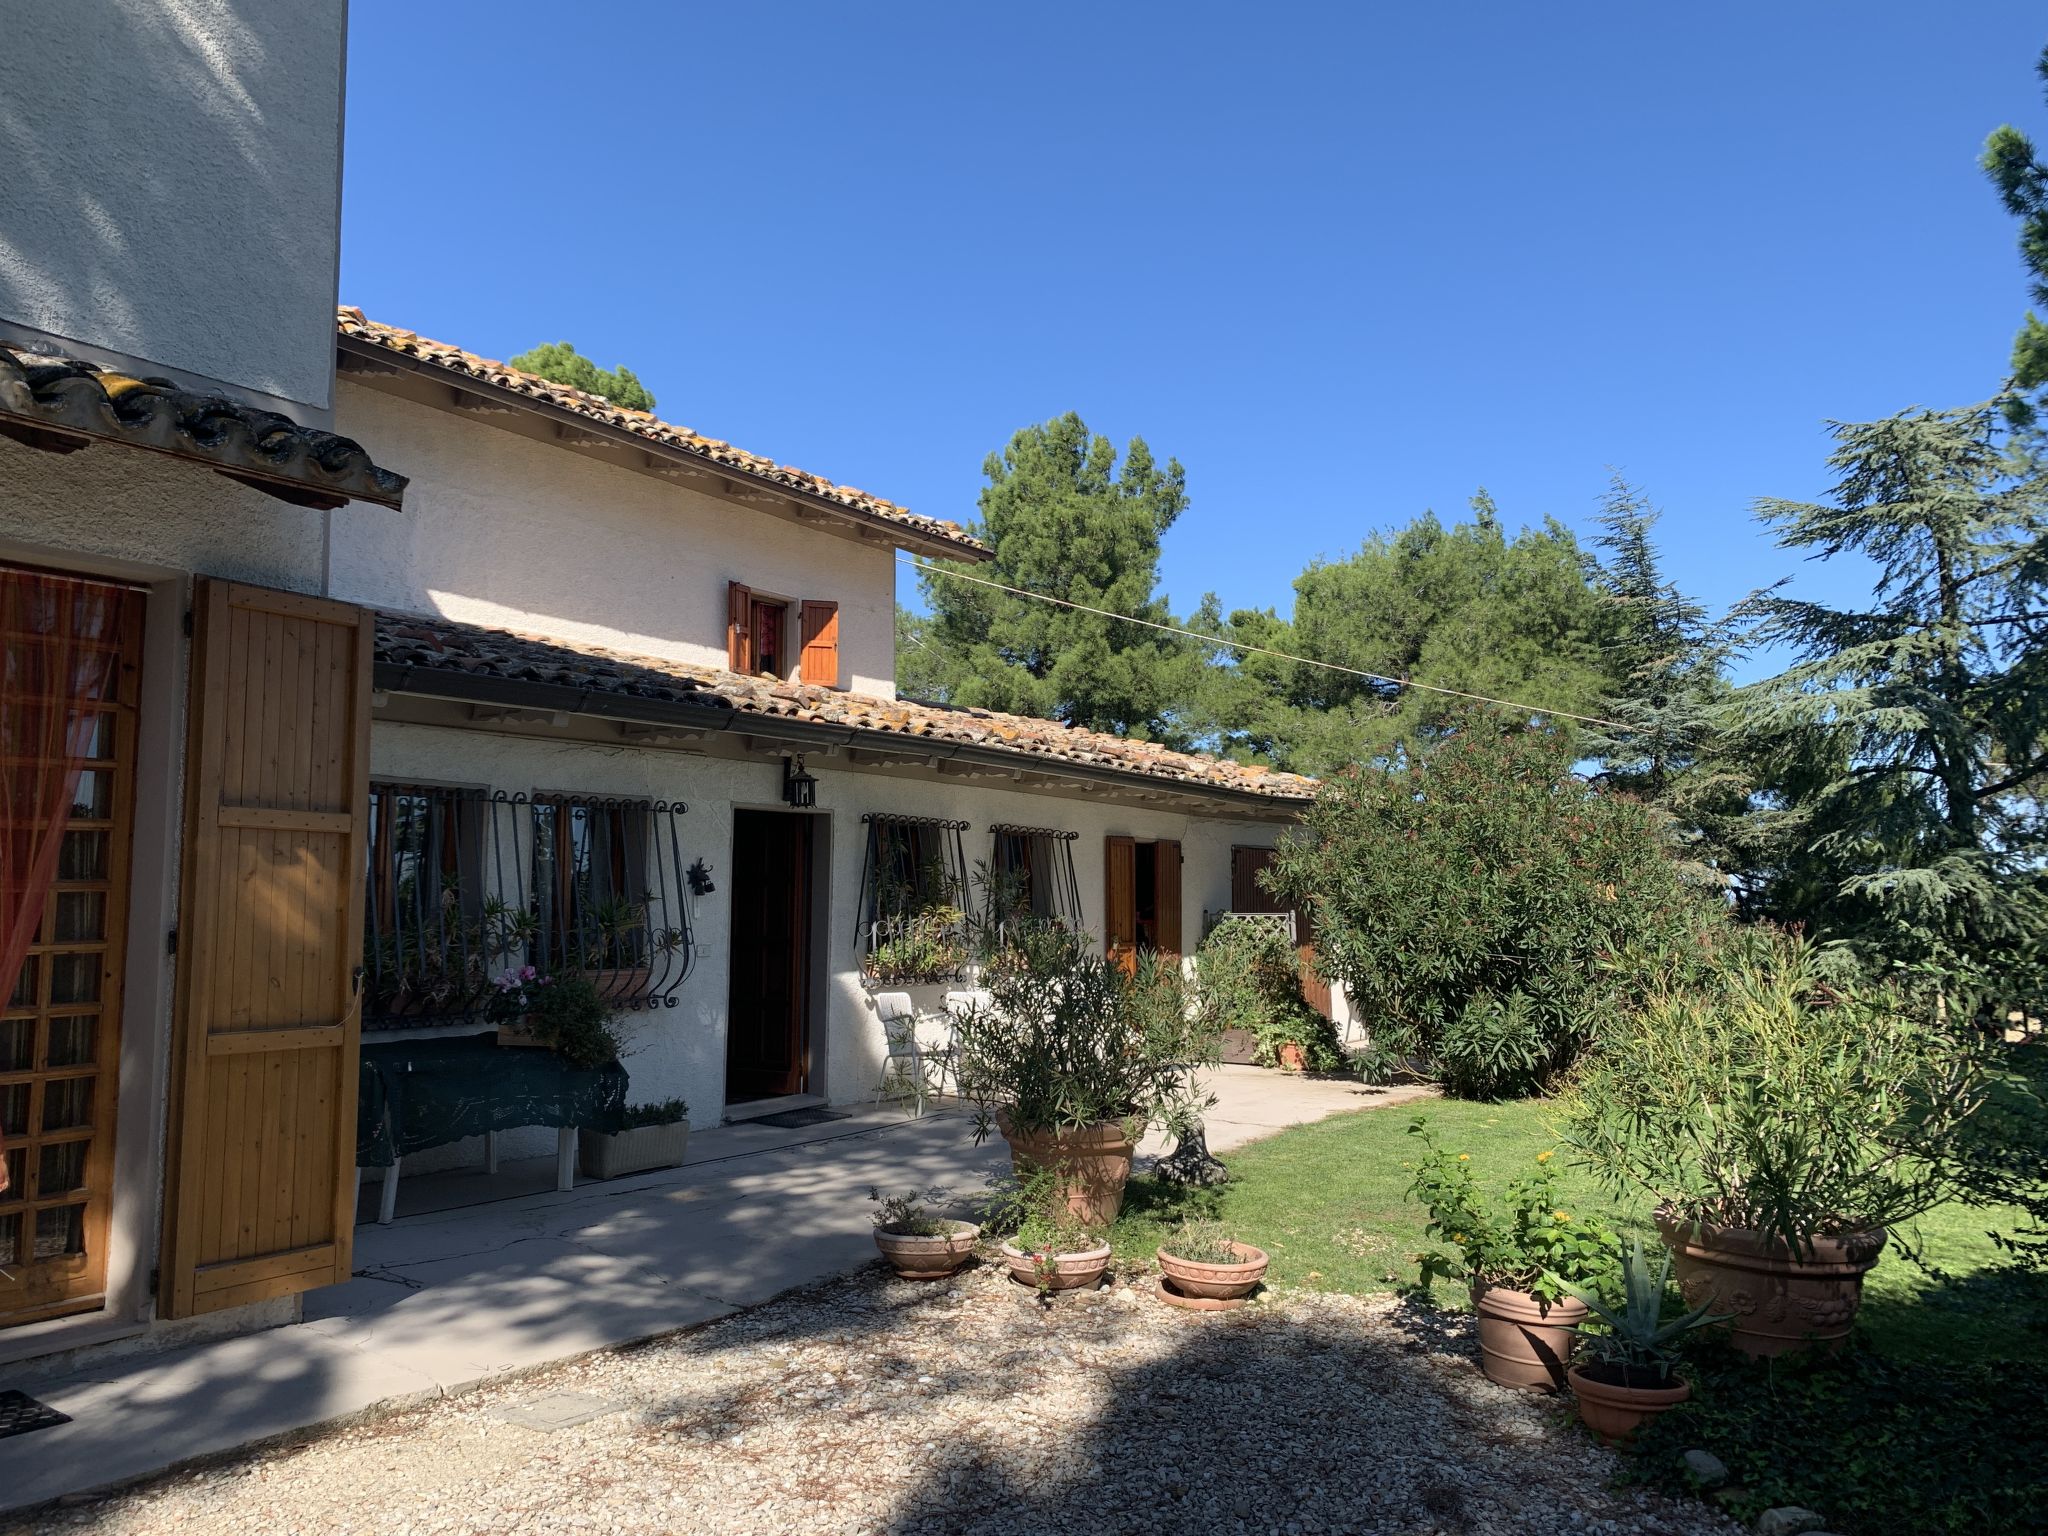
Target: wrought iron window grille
913,922
449,906
1030,877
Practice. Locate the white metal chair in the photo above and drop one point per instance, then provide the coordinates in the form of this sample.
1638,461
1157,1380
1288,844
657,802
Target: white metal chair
905,1072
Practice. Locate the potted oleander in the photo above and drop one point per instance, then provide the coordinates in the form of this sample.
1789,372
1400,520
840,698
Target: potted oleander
1042,1240
1627,1370
1520,1251
918,1244
1202,1266
1781,1120
1071,1057
653,1136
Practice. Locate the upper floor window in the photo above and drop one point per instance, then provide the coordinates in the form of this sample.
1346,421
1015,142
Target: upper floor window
758,637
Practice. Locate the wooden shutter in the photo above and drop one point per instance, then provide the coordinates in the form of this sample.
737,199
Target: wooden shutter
1166,895
1248,895
739,628
820,656
259,1197
1120,900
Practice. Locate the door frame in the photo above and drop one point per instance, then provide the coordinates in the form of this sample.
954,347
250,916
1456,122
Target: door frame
816,1010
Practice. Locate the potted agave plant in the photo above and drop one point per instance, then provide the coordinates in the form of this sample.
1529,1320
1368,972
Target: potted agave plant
1049,1246
917,1244
1521,1252
1204,1269
1627,1374
1072,1056
1780,1120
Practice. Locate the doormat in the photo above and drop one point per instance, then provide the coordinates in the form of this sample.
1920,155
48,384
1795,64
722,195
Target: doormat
20,1413
797,1119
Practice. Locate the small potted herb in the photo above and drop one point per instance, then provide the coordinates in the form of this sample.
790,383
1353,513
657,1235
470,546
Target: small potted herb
1049,1246
1203,1267
917,1244
654,1136
1627,1375
1521,1251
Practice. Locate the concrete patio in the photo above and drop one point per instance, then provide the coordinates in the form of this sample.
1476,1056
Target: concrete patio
446,1300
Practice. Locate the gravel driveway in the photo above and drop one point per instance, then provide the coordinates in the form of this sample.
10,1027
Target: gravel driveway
869,1404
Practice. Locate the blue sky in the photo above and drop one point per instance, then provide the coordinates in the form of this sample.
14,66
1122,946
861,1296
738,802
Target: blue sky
1346,262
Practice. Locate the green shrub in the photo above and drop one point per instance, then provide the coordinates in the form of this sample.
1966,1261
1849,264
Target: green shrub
1873,1446
566,1013
666,1112
1068,1039
1248,976
1750,1090
1471,898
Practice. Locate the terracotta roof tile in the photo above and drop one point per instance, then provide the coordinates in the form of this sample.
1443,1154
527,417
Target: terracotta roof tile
357,328
442,645
62,403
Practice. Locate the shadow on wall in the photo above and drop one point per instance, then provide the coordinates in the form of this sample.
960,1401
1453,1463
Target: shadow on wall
171,174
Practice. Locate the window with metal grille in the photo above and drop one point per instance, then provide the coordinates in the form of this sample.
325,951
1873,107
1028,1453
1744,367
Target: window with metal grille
609,898
438,923
913,925
1030,877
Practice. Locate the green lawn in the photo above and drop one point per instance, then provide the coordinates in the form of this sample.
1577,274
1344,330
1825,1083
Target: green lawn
1329,1203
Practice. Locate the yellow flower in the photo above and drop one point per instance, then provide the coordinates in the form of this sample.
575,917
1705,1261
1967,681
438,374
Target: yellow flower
1544,1157
1457,1237
1464,1157
1562,1215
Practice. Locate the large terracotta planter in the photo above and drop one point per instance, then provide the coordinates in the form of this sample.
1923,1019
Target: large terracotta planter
1096,1160
1777,1300
928,1258
1522,1342
1065,1272
1615,1411
1216,1282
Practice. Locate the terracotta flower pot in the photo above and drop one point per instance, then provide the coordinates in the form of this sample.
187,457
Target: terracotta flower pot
1216,1282
1778,1300
1292,1057
1067,1271
1614,1410
928,1258
1522,1342
1097,1160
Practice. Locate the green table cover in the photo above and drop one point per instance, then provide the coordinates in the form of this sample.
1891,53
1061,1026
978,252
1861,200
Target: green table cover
415,1094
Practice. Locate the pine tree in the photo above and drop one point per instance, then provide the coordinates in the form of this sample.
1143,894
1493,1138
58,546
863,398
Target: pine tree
1065,519
1909,743
561,362
2016,170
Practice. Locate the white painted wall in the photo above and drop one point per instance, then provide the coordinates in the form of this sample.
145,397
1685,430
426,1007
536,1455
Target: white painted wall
681,1051
172,190
523,534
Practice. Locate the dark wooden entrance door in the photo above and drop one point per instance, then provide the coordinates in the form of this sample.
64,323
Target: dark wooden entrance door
767,1044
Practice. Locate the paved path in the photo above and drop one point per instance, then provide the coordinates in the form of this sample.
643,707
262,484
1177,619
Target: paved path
445,1301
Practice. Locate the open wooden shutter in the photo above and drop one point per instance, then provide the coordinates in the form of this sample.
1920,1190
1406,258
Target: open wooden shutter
739,628
259,1197
820,656
1248,895
1166,895
1120,900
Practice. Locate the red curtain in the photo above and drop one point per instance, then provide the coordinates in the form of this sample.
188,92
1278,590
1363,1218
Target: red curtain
60,644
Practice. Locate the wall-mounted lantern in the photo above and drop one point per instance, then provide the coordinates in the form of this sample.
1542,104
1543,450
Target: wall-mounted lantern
700,879
799,789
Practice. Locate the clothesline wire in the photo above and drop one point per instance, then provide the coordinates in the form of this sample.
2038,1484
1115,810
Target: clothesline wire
927,569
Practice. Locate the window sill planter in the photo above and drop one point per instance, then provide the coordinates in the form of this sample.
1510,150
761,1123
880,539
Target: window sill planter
1095,1158
1613,1408
1522,1342
635,1151
1779,1301
1057,1271
916,1257
617,984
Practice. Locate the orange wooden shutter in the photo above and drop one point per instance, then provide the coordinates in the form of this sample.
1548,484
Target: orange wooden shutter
821,644
1166,895
1120,900
260,1191
739,628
